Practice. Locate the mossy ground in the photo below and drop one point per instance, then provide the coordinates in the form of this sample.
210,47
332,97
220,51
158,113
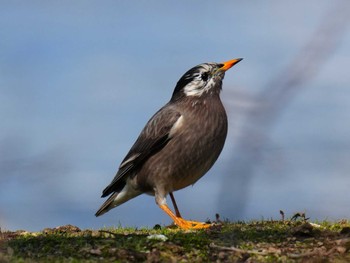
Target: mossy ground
257,241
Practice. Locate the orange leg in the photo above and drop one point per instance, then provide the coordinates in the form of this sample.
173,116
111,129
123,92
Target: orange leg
177,212
182,223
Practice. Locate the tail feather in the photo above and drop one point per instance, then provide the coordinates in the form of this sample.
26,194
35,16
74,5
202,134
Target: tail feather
108,205
118,198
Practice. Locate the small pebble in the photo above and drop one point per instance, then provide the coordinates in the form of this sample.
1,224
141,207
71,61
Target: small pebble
96,252
158,237
341,250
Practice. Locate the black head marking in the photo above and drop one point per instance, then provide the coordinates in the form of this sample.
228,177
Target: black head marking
201,73
187,78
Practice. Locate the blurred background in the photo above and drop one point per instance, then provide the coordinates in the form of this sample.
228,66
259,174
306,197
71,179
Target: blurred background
79,80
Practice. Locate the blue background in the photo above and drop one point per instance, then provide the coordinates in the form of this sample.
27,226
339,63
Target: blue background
79,79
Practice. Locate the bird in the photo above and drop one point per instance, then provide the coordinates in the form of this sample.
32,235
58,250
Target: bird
177,146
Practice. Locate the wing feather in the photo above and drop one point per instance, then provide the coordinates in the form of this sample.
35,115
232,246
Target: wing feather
154,136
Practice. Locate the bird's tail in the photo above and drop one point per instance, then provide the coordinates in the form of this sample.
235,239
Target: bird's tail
118,198
108,205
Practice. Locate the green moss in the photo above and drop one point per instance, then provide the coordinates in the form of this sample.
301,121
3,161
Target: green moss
259,241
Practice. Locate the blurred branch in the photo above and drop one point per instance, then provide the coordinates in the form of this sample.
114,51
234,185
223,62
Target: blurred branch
270,103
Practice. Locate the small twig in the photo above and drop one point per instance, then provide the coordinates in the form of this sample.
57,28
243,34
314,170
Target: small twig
217,218
282,214
242,251
297,215
342,240
305,254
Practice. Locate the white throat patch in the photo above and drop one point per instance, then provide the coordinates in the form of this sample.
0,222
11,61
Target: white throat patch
198,87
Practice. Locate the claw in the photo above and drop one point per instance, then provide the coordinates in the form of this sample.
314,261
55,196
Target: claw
185,224
182,223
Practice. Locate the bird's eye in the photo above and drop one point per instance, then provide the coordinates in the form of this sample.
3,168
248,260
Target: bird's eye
205,76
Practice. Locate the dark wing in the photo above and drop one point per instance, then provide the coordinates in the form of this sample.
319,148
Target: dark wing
154,136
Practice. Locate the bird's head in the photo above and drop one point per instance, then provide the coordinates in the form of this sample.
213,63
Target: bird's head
202,79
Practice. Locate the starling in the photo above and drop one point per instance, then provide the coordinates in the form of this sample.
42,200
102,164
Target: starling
178,145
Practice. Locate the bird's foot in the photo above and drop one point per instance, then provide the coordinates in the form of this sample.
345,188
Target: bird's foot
186,224
182,223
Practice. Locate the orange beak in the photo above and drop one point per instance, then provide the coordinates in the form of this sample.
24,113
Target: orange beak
229,64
